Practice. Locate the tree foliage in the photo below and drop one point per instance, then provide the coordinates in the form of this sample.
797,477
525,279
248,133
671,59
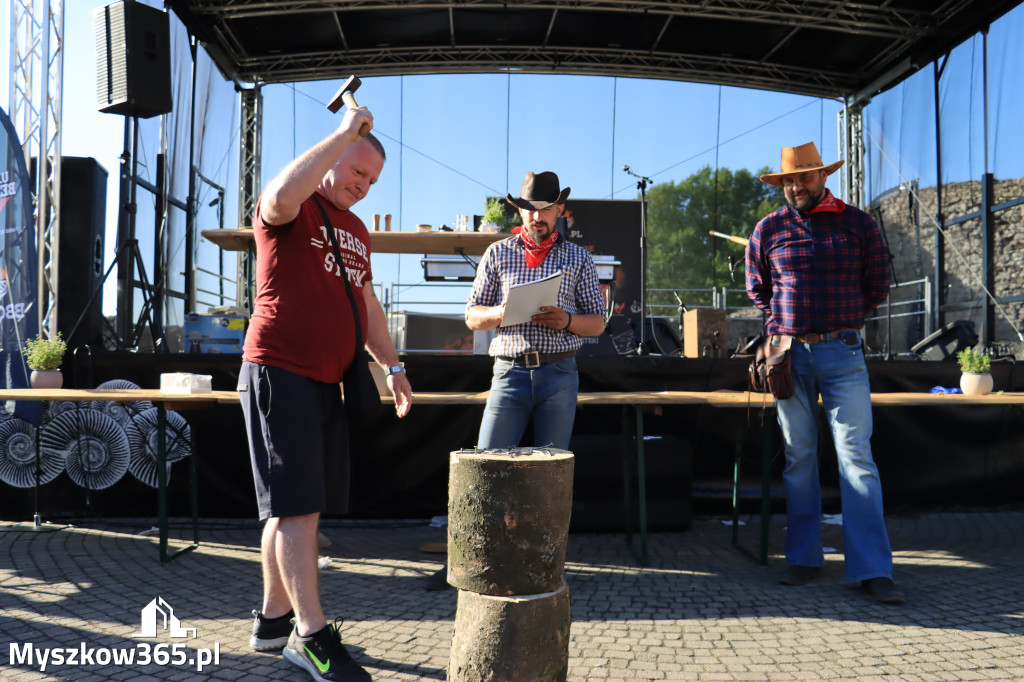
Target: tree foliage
681,252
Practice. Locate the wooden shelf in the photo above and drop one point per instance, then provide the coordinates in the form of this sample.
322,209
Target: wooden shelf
469,243
230,240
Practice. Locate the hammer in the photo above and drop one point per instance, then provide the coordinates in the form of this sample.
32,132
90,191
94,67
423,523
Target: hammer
345,95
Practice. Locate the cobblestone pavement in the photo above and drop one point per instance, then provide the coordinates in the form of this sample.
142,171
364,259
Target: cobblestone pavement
702,610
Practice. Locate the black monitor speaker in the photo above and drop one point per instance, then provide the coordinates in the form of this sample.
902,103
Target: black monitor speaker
945,343
133,59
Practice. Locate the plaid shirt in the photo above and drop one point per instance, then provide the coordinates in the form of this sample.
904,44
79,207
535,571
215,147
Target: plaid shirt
816,272
504,264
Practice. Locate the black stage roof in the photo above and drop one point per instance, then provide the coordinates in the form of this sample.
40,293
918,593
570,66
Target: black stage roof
831,48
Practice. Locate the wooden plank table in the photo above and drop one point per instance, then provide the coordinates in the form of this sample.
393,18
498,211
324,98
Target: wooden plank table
163,402
638,400
468,243
901,399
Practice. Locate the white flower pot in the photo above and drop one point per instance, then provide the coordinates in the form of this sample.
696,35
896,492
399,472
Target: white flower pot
46,378
975,384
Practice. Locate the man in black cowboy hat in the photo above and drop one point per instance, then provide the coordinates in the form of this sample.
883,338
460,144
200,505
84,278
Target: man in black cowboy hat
534,362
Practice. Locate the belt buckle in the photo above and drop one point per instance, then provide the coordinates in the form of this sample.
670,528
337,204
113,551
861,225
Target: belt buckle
531,359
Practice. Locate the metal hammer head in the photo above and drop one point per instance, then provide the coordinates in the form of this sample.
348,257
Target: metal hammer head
350,85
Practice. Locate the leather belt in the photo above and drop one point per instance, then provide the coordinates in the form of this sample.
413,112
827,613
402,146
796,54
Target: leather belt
816,337
535,359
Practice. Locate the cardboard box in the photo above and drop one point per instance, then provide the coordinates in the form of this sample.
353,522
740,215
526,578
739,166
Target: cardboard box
214,333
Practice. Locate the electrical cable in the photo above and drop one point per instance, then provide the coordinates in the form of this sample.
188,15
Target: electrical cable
731,139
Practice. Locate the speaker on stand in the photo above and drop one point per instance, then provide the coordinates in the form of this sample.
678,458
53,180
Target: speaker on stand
83,207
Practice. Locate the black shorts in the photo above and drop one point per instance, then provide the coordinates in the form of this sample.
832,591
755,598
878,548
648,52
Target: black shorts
298,442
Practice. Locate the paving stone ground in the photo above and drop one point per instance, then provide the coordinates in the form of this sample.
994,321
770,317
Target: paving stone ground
701,609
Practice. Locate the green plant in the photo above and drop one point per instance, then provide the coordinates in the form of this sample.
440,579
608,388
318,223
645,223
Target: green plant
973,362
497,211
44,354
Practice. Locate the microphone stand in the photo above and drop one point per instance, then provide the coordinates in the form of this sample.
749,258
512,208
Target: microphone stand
642,186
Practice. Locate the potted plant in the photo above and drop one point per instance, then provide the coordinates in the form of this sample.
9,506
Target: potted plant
977,372
498,213
44,357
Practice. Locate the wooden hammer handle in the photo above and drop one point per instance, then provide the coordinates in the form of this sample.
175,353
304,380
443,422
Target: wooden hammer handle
350,102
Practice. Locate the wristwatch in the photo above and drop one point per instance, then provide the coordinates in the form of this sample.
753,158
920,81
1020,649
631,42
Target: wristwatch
394,369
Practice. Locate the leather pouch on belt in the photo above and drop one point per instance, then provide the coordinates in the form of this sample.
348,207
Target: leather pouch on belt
771,370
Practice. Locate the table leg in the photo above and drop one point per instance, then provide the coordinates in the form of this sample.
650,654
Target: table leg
161,478
194,479
766,489
641,482
627,478
736,477
766,492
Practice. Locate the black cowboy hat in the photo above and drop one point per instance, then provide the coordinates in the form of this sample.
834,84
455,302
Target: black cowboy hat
540,190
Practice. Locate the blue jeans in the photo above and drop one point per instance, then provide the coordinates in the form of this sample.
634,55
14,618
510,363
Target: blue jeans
839,373
548,393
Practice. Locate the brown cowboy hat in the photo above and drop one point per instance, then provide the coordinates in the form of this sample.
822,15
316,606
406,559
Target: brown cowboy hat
540,190
799,160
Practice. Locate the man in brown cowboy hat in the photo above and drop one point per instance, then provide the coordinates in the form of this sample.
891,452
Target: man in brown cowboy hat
817,267
534,364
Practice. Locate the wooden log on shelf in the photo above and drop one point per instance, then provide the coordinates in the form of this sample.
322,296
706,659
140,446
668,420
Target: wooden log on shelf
508,520
511,639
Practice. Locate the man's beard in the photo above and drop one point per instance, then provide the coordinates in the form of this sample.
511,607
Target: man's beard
811,201
534,232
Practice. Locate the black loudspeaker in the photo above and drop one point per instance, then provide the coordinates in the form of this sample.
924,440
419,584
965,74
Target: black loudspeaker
133,59
662,336
945,343
83,207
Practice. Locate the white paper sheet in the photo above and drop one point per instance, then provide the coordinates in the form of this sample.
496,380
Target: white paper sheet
524,300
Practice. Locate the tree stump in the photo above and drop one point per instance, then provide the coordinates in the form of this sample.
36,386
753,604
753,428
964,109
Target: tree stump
508,520
511,639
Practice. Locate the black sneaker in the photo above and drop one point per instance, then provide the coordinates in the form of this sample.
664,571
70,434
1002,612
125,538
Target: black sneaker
324,657
271,634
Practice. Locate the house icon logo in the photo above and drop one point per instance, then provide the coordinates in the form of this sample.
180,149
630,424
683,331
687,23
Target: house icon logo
159,611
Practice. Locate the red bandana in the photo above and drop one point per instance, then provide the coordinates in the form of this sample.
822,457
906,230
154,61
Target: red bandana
829,204
535,252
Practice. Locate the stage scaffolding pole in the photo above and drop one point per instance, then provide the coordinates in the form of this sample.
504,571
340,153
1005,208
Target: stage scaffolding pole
249,151
37,48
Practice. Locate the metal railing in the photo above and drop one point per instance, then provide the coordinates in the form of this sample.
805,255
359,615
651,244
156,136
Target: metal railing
395,304
223,285
920,307
706,298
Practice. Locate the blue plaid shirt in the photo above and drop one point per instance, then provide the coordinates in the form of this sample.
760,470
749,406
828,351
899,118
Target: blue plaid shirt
816,272
504,264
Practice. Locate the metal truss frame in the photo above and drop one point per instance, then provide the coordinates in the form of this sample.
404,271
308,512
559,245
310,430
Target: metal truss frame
37,74
851,144
901,27
249,152
612,62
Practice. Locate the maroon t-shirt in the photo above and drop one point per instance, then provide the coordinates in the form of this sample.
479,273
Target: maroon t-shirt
302,321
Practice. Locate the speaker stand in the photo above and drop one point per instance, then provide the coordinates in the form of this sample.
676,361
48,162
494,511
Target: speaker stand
155,327
641,184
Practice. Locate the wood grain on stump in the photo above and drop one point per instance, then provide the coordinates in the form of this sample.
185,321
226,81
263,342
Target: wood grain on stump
508,520
511,639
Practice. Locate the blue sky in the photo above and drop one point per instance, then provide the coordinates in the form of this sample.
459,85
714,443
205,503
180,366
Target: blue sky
453,140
